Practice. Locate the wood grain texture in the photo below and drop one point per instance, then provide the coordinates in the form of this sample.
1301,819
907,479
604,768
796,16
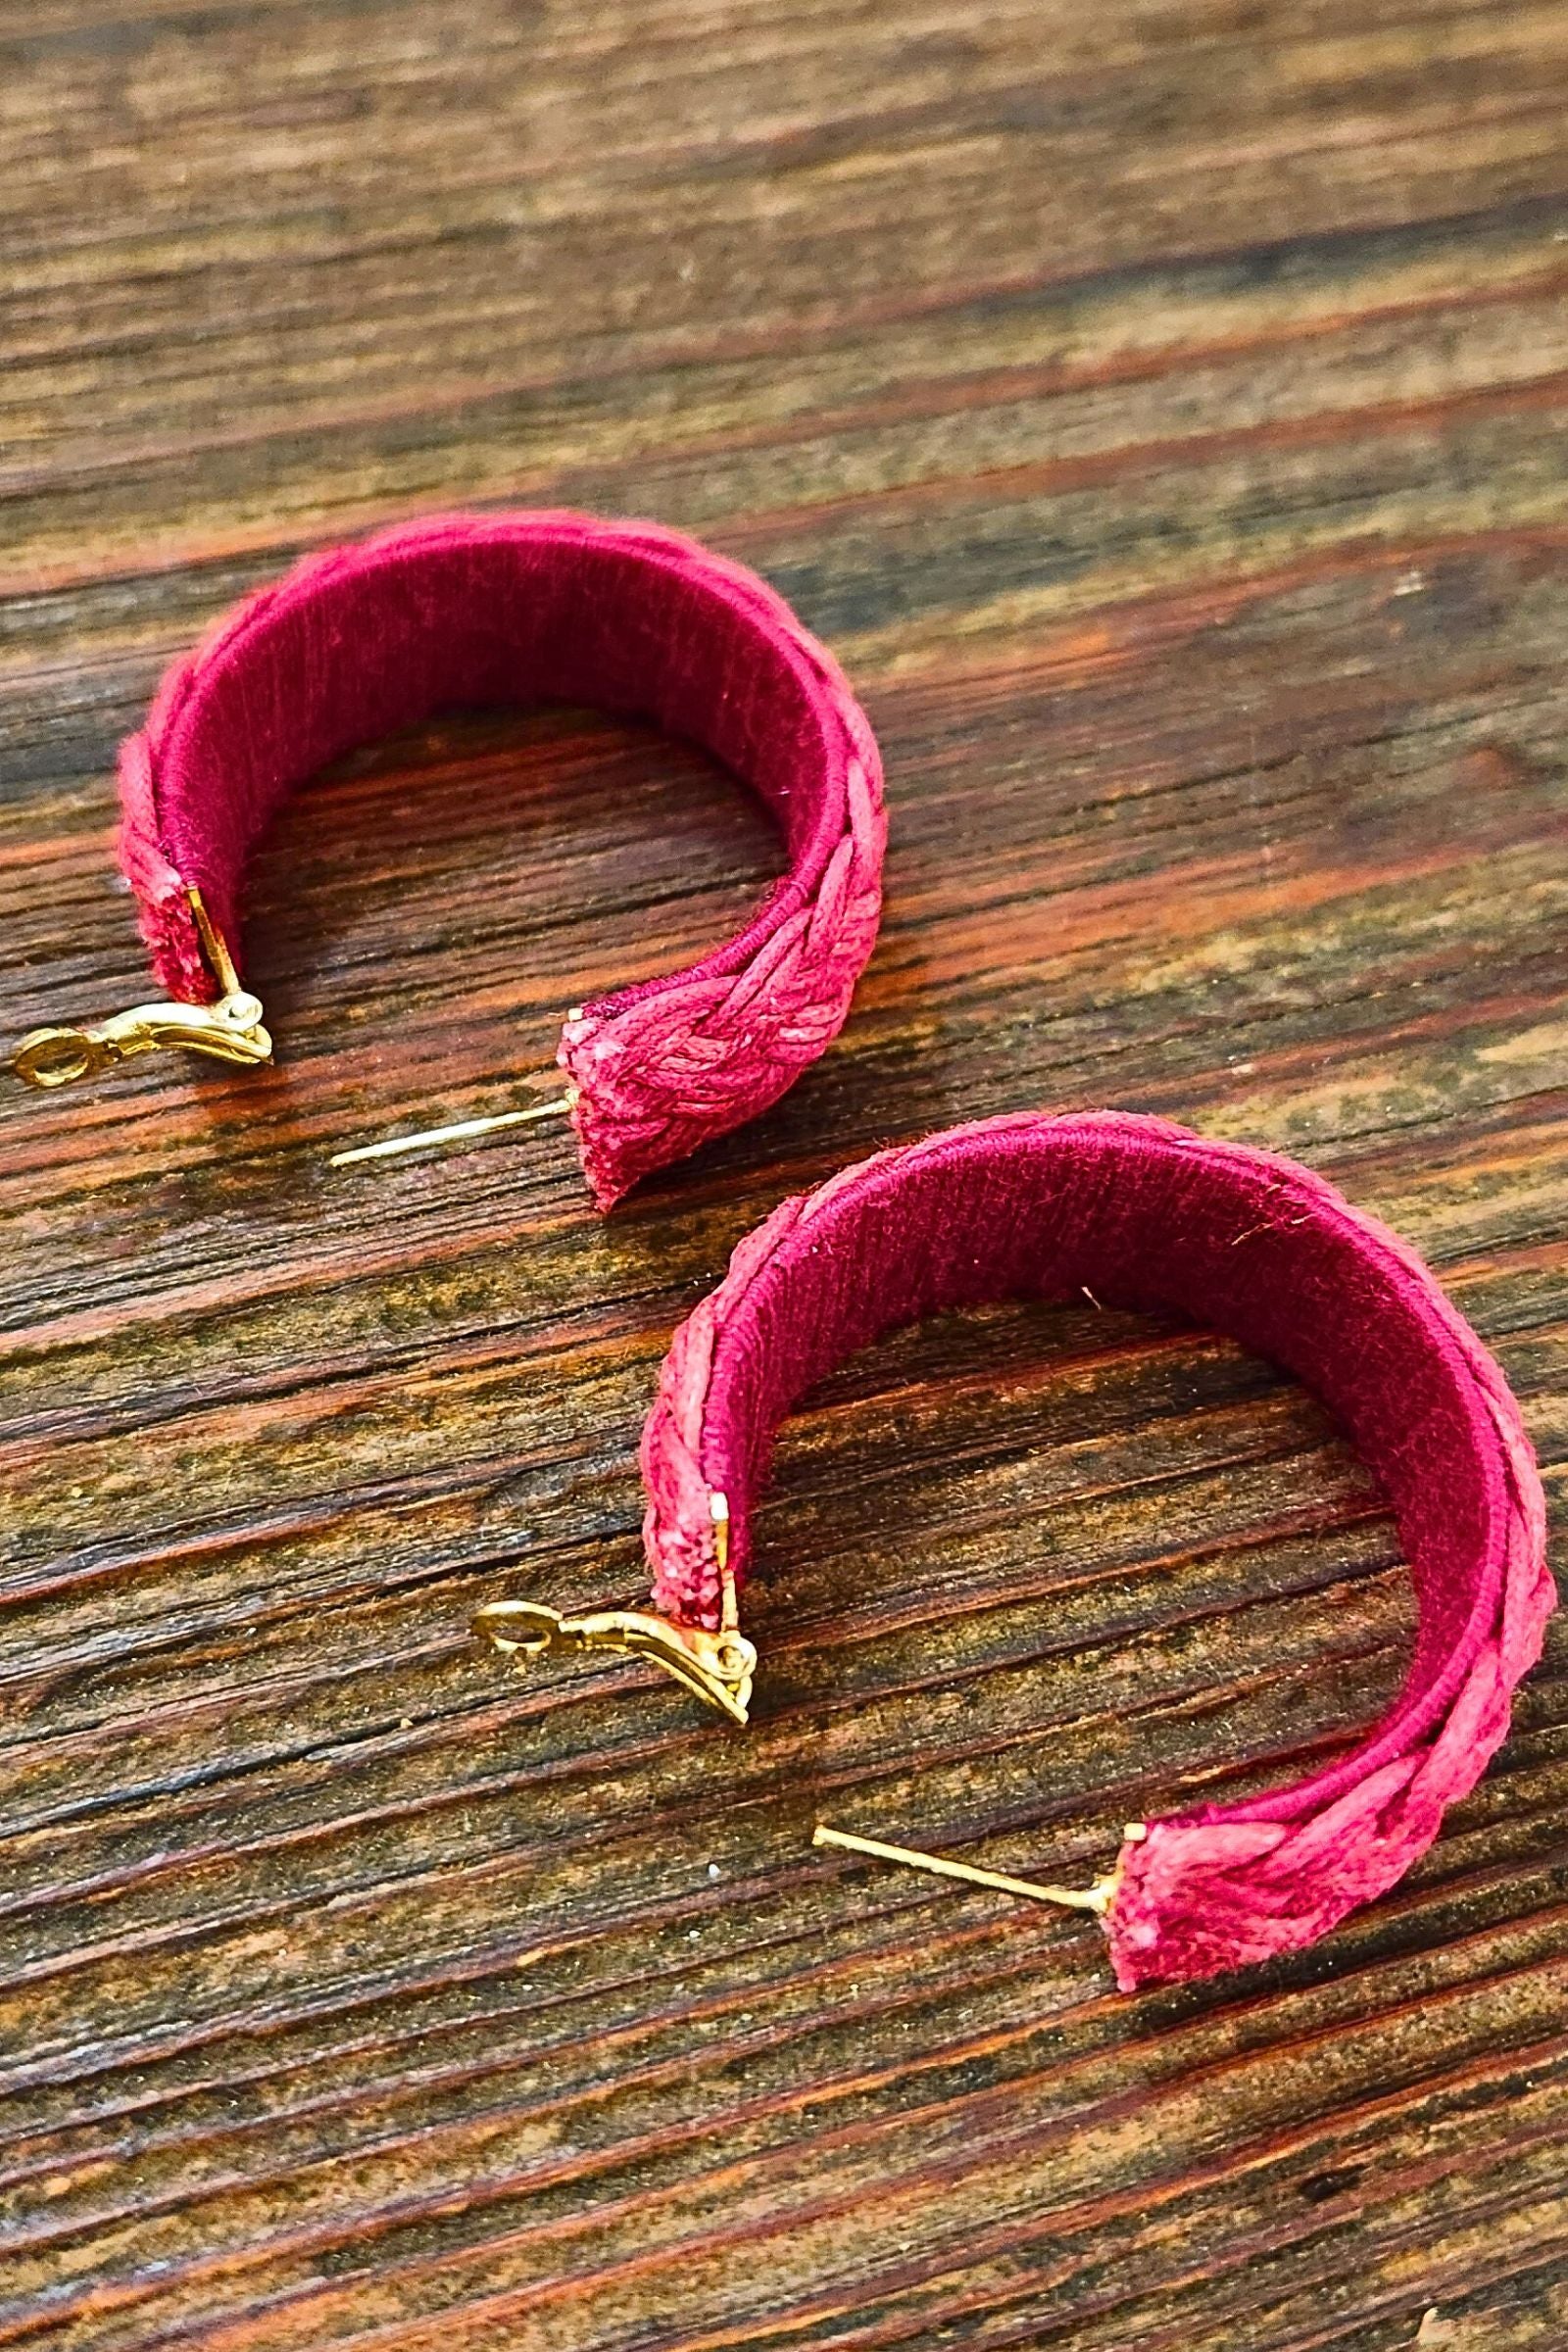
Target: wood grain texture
1160,409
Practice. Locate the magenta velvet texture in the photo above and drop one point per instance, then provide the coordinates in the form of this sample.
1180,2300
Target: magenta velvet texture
509,608
1152,1218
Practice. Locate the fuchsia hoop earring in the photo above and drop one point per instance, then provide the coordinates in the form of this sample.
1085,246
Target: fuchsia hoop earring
503,608
1149,1218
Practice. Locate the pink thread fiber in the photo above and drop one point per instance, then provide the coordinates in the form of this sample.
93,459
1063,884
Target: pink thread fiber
1152,1218
508,609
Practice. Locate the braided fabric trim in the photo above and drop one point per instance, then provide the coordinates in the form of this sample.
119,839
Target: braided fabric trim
659,1072
660,1068
1224,1886
1212,1892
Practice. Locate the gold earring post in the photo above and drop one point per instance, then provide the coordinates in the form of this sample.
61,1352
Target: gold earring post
462,1132
1097,1898
729,1607
464,1129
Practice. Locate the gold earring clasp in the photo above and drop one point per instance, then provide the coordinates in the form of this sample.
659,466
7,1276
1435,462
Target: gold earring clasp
228,1031
718,1667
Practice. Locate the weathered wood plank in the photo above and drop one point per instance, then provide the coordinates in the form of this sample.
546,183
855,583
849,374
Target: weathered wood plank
1161,411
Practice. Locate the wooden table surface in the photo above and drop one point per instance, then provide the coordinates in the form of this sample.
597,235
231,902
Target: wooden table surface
1160,407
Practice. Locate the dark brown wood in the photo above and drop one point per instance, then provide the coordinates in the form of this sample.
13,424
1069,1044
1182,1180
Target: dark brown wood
1160,410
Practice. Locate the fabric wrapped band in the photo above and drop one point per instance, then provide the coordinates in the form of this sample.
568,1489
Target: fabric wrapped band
507,609
1151,1218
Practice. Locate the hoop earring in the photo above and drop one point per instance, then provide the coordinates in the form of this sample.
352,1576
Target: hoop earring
503,609
1149,1218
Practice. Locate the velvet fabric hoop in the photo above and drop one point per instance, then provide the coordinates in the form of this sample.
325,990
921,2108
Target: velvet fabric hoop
504,609
1151,1217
